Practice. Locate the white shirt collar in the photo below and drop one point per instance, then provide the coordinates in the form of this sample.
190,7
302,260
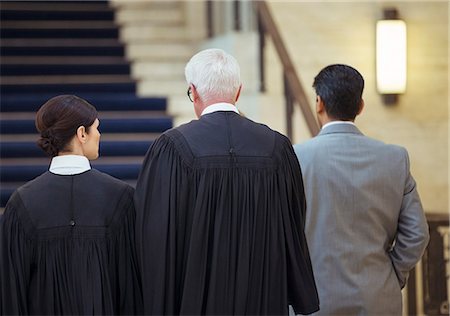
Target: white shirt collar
220,107
338,122
69,165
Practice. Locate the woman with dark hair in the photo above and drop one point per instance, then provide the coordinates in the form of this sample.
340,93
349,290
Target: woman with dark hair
66,237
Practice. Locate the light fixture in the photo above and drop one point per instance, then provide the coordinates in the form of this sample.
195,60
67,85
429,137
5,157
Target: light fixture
391,56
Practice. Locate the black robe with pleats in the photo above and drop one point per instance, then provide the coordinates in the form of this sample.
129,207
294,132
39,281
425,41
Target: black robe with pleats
220,215
66,247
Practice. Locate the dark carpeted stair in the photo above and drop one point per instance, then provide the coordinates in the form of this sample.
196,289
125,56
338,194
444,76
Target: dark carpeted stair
69,47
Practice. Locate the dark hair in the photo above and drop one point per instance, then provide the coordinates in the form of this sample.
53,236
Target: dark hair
58,120
340,87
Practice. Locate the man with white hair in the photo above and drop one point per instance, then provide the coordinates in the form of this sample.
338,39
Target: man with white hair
220,209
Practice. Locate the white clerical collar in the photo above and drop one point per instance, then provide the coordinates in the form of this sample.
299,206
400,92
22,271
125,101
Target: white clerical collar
220,107
338,122
69,165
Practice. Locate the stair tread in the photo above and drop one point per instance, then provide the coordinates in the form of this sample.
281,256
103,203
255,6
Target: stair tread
66,70
147,5
60,42
55,6
105,137
55,24
103,115
61,79
110,32
68,60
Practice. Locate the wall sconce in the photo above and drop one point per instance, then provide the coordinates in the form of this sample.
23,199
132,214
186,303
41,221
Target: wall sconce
391,56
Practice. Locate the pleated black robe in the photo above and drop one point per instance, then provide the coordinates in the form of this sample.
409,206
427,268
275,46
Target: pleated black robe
220,216
66,247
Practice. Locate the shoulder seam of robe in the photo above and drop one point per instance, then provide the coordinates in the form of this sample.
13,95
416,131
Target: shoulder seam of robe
181,146
120,212
23,217
32,231
177,139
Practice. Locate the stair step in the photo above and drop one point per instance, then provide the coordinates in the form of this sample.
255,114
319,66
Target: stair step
60,42
147,5
167,33
65,88
61,79
159,52
158,70
27,70
116,50
29,172
102,102
32,138
111,32
149,17
56,6
25,12
66,60
58,24
152,87
13,116
113,125
17,149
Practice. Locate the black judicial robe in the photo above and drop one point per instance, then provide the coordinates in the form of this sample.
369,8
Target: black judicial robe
220,215
66,247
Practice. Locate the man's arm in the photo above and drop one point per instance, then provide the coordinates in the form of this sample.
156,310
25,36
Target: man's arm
412,231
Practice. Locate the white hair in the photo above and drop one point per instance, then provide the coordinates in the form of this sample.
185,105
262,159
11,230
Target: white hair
214,73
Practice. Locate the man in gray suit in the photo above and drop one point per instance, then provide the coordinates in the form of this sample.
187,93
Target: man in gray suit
365,225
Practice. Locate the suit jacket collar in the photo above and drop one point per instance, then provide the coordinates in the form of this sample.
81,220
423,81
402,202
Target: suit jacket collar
340,128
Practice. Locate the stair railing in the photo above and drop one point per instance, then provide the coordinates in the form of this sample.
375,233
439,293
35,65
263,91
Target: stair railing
293,89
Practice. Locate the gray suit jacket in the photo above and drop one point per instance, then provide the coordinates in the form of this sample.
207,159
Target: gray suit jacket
365,225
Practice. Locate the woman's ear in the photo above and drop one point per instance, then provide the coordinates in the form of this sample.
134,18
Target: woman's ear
81,134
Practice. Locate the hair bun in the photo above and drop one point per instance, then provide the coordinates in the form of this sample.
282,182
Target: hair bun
48,143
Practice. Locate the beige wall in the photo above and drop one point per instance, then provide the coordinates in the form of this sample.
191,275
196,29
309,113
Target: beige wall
322,33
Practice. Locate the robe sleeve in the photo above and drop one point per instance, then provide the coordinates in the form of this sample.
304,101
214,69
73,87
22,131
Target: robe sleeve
302,289
129,284
157,191
15,258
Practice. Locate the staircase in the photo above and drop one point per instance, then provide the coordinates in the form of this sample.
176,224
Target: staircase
161,36
69,47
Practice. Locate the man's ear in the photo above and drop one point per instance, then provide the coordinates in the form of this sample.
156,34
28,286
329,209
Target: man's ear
81,134
194,93
238,93
320,106
361,107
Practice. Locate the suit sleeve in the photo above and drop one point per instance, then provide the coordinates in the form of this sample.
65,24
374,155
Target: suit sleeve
412,232
15,248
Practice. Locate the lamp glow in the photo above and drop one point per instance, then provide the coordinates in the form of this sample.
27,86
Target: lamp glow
391,56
